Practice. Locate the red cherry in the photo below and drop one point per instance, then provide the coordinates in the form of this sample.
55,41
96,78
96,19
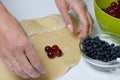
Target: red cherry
47,48
105,10
114,14
112,11
58,53
55,47
116,8
109,8
119,1
53,51
113,4
117,15
50,54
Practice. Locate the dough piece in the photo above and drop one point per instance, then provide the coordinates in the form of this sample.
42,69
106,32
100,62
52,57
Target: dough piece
45,31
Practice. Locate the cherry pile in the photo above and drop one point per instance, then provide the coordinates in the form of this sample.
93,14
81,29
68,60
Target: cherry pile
98,49
53,51
113,9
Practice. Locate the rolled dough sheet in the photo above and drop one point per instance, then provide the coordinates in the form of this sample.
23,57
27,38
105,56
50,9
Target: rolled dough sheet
49,30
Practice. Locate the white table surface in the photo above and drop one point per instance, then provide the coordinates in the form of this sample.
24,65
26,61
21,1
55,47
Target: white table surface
27,9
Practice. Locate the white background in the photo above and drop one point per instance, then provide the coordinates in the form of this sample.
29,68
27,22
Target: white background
27,9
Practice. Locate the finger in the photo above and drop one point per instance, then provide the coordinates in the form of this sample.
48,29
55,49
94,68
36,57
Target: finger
63,8
6,61
18,70
81,10
34,58
91,22
82,32
25,65
84,29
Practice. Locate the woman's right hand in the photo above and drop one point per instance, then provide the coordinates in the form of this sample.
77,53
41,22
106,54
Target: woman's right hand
16,50
80,8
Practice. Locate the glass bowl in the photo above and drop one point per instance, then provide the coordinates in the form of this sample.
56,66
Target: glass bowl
101,65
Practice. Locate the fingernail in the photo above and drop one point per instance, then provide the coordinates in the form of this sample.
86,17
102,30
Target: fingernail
70,27
42,69
34,75
25,75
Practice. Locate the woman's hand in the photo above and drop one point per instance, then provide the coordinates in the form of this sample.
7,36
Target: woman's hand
80,9
16,50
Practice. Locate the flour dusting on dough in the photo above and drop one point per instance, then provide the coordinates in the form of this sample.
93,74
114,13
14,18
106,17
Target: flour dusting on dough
36,24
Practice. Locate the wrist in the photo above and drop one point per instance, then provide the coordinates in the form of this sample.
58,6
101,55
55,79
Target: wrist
3,12
4,15
2,8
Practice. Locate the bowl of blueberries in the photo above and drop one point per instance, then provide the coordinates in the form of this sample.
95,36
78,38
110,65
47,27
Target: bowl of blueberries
101,51
108,15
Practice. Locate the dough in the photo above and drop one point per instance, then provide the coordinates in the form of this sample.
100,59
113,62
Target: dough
45,31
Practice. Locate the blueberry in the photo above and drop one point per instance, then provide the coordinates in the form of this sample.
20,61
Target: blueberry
112,45
117,50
